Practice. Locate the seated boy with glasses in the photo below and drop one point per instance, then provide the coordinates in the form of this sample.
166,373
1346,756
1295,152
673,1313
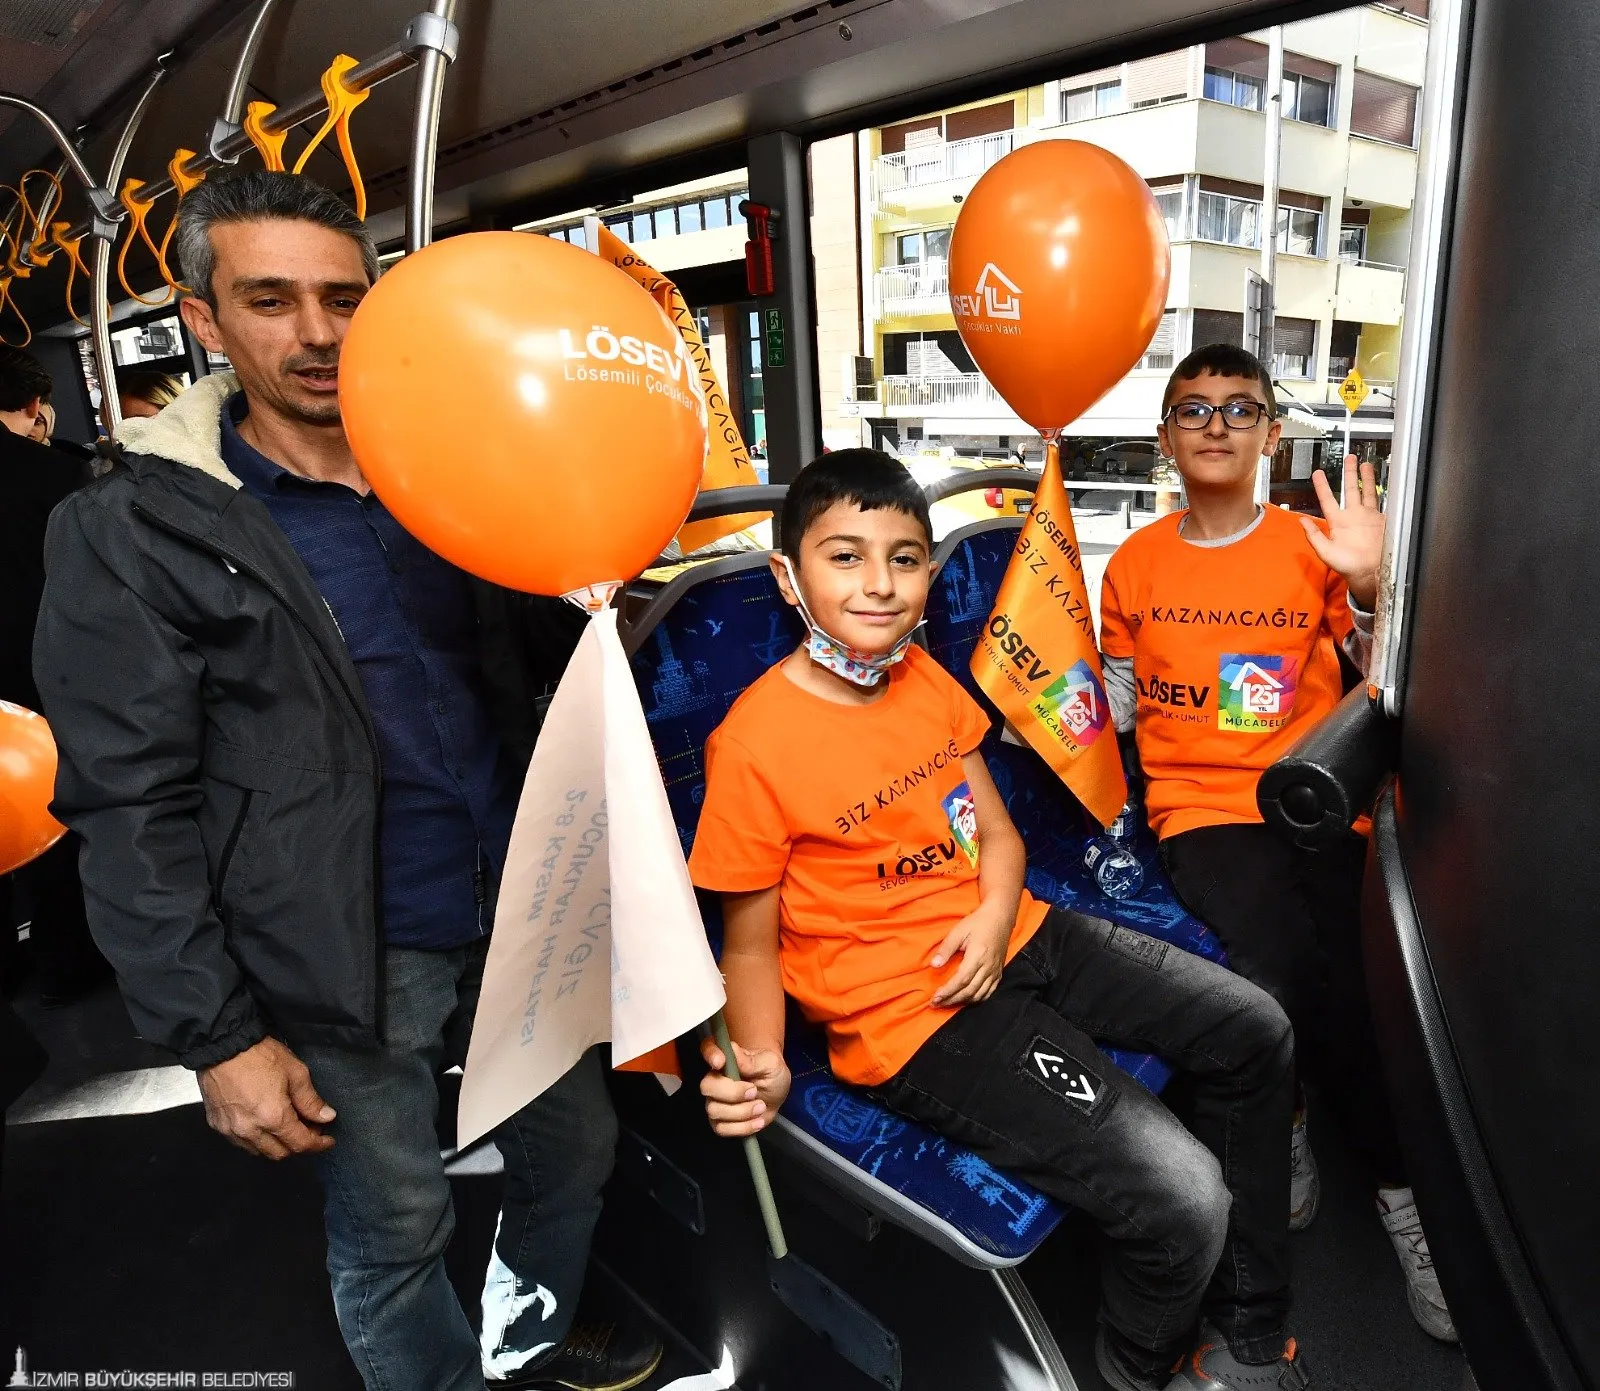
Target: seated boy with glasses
1221,628
867,867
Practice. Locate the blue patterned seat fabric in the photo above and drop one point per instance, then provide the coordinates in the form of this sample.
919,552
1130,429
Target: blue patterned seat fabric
721,634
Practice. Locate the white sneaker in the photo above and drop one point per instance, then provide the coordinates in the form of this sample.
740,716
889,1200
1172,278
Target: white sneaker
1399,1213
1305,1184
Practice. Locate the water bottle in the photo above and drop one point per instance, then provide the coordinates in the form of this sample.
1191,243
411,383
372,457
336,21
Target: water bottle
1110,861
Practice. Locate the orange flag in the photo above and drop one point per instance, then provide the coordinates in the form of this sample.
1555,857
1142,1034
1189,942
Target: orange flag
1037,659
727,462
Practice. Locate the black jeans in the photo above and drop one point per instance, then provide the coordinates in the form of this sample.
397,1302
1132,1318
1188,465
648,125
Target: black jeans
1291,921
1195,1223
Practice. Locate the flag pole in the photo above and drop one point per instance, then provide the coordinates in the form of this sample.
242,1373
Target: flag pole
752,1150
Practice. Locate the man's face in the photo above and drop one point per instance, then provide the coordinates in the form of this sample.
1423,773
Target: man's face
864,575
285,292
1218,457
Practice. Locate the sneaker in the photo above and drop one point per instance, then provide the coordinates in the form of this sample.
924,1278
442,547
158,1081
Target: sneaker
1305,1184
594,1357
1116,1372
1213,1367
1398,1211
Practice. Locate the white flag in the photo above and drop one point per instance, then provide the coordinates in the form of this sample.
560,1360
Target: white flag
597,935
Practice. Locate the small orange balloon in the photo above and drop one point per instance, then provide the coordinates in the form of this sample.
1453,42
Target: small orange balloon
1058,275
525,410
27,783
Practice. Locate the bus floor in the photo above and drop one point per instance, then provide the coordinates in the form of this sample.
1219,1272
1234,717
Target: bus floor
133,1238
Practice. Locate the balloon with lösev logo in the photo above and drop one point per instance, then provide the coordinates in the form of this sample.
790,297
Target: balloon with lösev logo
1059,266
27,783
525,410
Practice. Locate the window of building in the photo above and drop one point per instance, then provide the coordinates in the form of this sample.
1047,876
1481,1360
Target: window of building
1234,88
925,355
1170,201
1383,110
1307,99
929,244
1218,326
1353,245
666,222
1299,231
1231,221
1085,103
1294,347
1159,355
691,217
1343,345
1230,213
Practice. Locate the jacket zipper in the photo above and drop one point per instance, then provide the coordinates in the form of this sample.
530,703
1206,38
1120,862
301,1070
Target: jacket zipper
225,863
357,702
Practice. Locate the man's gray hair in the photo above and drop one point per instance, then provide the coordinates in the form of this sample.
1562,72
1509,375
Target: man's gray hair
260,196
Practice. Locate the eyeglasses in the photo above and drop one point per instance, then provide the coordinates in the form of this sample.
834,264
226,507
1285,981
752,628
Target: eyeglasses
1236,415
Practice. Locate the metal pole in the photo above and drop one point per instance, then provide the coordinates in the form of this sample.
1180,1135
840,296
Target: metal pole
227,124
99,303
1269,222
436,34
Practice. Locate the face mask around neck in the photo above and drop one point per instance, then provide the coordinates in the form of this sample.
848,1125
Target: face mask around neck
854,665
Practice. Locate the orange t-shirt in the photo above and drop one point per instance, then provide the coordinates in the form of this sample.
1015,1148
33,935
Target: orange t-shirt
863,816
1235,653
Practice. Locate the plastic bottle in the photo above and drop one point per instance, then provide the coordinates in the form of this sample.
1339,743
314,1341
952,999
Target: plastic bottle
1110,861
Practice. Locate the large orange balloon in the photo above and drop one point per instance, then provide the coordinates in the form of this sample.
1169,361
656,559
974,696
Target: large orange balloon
1058,275
27,783
524,409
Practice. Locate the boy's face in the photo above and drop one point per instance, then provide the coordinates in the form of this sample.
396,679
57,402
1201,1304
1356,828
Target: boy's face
864,575
1218,457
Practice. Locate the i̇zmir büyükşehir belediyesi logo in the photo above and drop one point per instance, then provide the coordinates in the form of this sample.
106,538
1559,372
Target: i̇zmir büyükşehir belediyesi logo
1074,706
1255,691
962,813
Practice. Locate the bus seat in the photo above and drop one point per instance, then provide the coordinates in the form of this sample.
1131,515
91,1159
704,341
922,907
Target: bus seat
1054,826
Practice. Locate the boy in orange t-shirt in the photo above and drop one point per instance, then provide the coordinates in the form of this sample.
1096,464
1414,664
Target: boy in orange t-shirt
1220,629
868,868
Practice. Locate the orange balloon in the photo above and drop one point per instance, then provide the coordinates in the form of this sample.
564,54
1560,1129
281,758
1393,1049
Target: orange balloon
524,409
27,783
1058,275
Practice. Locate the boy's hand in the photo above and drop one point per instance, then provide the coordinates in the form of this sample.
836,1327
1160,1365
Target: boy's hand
981,938
743,1107
1353,544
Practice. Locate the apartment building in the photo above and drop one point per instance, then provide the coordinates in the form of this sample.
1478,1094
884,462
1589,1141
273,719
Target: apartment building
1192,123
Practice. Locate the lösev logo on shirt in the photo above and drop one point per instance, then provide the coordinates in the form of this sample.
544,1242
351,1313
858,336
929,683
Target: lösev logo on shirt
1255,691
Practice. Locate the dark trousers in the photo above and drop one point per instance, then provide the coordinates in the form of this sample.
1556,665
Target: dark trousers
388,1208
1195,1223
1291,921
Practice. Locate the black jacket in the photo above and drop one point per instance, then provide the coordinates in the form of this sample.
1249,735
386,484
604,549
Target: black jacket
33,479
217,756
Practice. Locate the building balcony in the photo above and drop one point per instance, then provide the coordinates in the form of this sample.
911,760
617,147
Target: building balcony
1369,292
958,393
927,176
914,291
1381,174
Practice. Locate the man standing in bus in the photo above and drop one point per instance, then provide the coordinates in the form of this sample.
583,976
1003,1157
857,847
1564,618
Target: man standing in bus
276,741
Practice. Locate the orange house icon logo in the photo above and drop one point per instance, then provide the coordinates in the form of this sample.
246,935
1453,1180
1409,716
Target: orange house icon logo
1001,298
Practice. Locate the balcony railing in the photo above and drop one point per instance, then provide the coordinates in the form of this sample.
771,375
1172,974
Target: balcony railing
941,162
920,288
958,390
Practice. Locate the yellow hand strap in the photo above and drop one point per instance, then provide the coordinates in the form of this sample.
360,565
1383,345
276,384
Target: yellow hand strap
269,145
6,302
75,265
37,253
183,181
19,213
341,102
138,210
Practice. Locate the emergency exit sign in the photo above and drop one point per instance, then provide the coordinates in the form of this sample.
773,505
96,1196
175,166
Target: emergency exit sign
775,354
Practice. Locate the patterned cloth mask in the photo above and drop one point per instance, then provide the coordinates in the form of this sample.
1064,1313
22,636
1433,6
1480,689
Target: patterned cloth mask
863,668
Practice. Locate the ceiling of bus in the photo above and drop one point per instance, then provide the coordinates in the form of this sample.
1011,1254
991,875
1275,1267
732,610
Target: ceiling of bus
549,95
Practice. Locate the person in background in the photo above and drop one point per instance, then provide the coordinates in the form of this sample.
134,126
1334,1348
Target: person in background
44,424
33,479
143,393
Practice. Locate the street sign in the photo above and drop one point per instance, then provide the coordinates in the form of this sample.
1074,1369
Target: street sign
1257,294
1353,390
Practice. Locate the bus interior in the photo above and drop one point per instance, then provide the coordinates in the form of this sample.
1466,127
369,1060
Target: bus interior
133,1238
